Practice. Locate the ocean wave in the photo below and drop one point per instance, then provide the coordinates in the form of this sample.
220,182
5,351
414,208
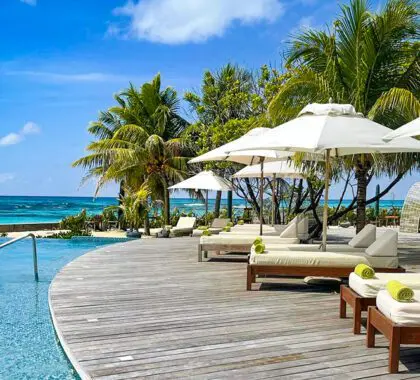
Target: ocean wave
194,204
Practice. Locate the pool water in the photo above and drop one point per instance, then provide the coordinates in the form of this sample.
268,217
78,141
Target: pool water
28,346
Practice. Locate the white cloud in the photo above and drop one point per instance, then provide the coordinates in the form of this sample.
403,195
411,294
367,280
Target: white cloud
182,21
67,77
30,128
14,138
5,177
29,2
11,139
306,22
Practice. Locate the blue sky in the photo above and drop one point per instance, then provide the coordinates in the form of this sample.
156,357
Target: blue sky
61,62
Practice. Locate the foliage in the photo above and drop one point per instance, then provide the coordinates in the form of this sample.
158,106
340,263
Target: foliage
66,235
76,224
3,234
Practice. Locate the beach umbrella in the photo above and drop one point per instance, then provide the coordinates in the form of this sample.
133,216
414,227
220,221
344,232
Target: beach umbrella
248,157
333,130
205,180
274,169
408,130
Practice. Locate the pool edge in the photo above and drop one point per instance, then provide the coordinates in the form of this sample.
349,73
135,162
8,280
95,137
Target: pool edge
77,367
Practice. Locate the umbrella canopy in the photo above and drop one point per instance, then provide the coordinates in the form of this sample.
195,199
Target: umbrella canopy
335,127
245,157
408,130
332,129
205,180
281,169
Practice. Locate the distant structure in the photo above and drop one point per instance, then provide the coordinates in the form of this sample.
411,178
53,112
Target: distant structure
410,215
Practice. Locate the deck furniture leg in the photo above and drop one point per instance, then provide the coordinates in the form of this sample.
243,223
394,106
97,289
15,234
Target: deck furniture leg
370,337
394,350
250,277
357,316
206,254
343,305
200,256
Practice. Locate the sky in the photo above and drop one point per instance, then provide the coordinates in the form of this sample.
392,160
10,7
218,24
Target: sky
62,61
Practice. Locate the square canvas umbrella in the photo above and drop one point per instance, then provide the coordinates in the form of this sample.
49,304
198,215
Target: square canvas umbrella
332,130
248,157
205,180
410,129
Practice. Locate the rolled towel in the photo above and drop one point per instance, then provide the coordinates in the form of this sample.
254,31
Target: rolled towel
226,229
206,233
399,291
364,271
259,248
258,240
230,224
241,222
202,228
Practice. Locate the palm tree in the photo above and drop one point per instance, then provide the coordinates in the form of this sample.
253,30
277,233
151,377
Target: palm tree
144,146
369,60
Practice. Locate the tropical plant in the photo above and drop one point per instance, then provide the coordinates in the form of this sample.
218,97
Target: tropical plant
370,60
144,148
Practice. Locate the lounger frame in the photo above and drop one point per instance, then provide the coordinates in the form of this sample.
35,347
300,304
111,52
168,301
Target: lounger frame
358,303
204,248
396,335
255,270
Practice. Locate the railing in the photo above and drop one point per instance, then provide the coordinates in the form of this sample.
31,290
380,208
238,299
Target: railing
34,251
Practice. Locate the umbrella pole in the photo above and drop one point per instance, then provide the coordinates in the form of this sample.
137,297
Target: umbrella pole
273,199
207,204
325,215
261,194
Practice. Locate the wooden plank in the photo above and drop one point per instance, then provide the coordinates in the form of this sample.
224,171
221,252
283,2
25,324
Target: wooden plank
148,309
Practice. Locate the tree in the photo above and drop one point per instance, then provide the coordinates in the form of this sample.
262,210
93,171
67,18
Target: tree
369,60
144,147
231,101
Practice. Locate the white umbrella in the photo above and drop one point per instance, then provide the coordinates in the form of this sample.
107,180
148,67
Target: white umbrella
206,180
410,129
334,130
248,157
274,169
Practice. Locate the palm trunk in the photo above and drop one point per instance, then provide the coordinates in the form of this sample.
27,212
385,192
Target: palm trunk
217,204
362,169
121,195
146,224
166,204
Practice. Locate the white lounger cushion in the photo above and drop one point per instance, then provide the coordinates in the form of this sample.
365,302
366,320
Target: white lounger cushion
243,239
185,222
401,313
364,238
385,245
266,232
321,259
370,288
292,231
313,247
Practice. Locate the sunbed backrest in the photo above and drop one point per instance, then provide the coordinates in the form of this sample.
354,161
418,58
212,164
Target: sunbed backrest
186,222
385,245
291,231
220,222
364,238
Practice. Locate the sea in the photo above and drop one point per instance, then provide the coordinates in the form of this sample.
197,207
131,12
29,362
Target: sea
31,209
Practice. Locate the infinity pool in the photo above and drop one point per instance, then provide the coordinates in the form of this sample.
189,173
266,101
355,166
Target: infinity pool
28,345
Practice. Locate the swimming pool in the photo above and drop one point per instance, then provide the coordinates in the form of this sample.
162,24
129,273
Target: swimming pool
28,346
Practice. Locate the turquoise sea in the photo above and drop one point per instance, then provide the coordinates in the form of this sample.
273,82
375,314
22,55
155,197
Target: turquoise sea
17,209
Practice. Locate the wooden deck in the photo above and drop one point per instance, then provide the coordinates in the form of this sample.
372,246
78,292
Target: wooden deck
148,309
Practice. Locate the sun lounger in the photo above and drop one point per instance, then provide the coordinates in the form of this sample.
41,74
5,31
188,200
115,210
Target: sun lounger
399,322
242,243
216,227
184,226
365,238
381,255
361,293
